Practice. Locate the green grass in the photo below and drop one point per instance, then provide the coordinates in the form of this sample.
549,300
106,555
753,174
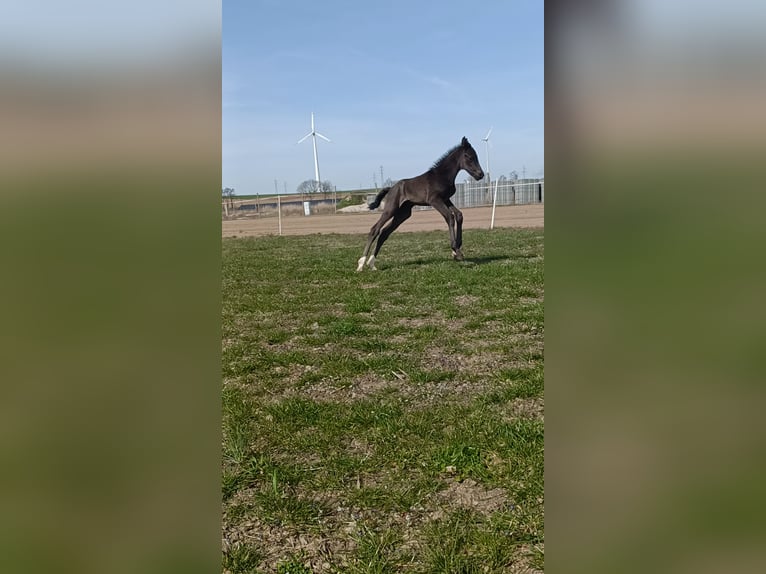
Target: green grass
356,403
293,566
241,559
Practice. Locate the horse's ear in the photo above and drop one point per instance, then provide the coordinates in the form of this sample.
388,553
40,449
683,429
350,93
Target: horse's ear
465,143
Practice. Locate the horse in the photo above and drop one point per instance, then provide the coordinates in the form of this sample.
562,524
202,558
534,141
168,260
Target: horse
434,188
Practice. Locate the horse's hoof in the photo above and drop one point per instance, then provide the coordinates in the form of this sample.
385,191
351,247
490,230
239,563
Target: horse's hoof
457,255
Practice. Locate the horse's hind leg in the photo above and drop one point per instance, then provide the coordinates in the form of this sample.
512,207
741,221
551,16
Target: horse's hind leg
402,215
374,233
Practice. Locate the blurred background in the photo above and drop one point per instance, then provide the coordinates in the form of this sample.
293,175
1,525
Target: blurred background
655,141
110,289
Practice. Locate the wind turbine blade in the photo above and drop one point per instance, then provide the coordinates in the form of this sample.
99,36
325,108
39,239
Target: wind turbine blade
324,138
303,138
312,121
485,138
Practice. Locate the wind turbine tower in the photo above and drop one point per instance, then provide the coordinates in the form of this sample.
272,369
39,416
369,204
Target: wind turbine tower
313,133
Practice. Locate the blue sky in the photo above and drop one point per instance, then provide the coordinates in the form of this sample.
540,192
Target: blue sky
392,83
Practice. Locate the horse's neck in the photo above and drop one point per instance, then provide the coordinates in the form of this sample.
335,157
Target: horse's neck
449,170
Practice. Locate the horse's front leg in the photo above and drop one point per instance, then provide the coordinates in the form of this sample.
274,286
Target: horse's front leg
449,217
458,218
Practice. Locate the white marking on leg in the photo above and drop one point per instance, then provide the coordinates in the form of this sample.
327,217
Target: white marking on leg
360,263
371,263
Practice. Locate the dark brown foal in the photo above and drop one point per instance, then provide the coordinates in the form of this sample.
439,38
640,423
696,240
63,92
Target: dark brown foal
434,188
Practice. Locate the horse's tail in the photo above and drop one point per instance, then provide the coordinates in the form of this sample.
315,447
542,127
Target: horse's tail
379,198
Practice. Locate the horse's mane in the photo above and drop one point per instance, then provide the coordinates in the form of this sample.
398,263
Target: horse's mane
439,162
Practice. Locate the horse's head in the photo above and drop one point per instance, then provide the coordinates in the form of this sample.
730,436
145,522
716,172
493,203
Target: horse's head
469,161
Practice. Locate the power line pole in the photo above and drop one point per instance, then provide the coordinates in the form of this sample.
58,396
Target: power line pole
381,176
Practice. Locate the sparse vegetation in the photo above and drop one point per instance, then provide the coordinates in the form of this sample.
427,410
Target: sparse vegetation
352,199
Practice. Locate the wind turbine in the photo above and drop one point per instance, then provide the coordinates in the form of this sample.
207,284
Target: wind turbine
485,139
313,133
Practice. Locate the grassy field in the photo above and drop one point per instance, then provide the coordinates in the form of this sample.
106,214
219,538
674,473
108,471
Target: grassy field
387,421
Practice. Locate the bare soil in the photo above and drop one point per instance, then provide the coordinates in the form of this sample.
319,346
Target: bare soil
475,218
471,495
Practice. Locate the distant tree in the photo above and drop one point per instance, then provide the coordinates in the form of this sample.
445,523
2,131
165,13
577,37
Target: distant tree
228,194
514,177
307,186
310,186
388,183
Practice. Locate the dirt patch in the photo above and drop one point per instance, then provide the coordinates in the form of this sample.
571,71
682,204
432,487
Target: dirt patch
399,386
530,342
361,387
360,446
466,300
521,566
415,322
435,319
470,495
292,374
478,363
454,392
527,408
368,384
321,551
